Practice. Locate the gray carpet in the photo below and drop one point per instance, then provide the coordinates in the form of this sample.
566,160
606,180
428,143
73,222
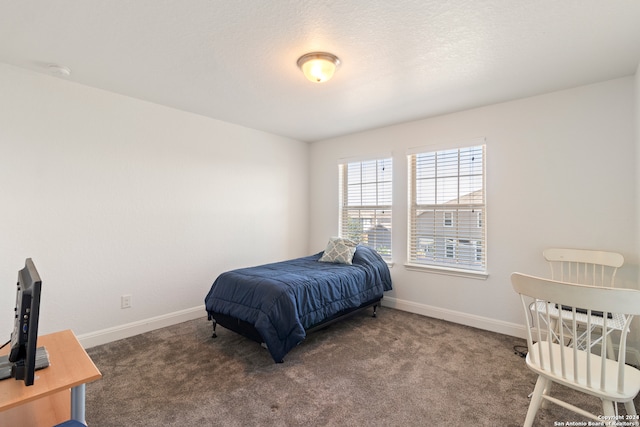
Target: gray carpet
399,369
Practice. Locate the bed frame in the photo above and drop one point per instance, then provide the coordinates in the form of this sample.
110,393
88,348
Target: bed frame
249,331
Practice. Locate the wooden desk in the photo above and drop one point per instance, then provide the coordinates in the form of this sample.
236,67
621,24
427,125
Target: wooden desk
58,392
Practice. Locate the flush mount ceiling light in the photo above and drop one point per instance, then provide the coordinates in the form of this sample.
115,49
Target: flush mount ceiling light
318,67
59,70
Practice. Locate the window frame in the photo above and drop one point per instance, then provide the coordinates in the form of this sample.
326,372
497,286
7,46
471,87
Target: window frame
371,215
470,239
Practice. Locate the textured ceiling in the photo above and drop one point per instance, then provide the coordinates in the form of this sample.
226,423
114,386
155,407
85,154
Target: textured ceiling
235,60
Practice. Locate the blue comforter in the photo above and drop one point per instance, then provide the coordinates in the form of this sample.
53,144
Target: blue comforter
283,299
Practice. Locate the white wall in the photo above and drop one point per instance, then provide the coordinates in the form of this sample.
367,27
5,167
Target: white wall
111,195
637,121
561,171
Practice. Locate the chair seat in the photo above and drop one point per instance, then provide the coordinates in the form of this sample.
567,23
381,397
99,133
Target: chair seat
609,391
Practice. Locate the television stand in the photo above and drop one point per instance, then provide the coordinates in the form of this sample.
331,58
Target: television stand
6,367
58,392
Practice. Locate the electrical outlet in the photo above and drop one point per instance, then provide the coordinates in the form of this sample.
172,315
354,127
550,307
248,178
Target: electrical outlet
125,301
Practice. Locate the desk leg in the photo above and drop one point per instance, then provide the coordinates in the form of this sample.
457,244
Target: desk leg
78,403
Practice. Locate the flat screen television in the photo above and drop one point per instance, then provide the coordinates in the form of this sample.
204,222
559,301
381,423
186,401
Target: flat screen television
24,356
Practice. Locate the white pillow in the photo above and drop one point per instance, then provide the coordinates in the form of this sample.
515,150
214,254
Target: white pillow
339,250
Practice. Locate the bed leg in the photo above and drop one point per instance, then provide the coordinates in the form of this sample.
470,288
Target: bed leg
213,321
375,309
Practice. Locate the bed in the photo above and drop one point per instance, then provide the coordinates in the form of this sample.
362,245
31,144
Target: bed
278,304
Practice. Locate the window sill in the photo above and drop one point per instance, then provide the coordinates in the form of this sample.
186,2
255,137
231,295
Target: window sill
480,275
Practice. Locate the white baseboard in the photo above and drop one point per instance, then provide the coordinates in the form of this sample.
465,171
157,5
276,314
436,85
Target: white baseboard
467,319
115,333
633,356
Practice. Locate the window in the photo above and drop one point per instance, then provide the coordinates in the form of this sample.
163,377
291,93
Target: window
448,219
447,209
365,193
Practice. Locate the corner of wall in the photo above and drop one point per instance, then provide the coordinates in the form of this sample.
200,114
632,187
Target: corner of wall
637,136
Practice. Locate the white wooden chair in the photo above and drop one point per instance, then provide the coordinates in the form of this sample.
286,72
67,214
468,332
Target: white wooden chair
555,360
585,267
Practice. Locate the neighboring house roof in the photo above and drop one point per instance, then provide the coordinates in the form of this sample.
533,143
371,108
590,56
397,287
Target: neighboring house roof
473,197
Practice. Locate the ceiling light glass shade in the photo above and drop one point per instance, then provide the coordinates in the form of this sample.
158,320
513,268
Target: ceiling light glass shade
59,70
318,67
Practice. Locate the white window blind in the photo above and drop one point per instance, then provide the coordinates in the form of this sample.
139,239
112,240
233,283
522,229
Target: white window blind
366,200
447,209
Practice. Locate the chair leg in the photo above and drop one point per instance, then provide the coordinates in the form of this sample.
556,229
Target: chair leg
536,399
609,408
554,327
546,392
630,407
